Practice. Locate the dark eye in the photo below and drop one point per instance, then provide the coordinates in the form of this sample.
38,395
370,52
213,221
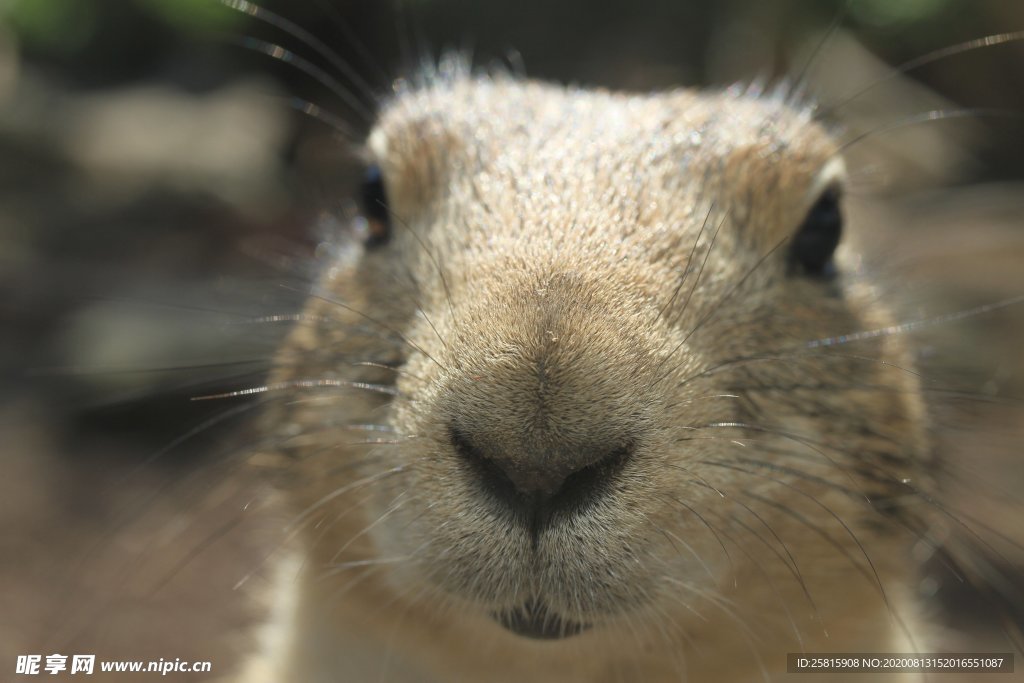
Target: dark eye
375,208
816,240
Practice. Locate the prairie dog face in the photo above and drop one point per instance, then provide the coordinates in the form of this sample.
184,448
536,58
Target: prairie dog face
597,311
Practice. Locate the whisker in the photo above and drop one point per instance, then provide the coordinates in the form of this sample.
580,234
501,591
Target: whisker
192,433
791,568
277,21
915,324
710,528
801,78
689,261
383,326
775,590
318,113
433,259
301,384
336,493
933,115
917,62
285,56
389,368
876,580
341,567
198,549
284,318
789,471
749,636
715,308
393,507
797,439
675,538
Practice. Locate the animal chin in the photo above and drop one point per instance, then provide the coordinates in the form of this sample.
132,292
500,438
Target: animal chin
534,620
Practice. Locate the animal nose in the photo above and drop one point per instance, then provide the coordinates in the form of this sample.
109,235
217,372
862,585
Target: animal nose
538,478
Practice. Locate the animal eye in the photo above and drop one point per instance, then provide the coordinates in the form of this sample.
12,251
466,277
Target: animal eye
816,241
375,208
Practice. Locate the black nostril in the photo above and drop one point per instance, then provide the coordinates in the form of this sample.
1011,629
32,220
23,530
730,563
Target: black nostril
493,476
560,483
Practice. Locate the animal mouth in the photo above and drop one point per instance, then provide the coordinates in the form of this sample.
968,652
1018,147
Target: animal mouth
534,620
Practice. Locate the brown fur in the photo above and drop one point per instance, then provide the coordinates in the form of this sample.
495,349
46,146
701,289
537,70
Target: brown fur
570,270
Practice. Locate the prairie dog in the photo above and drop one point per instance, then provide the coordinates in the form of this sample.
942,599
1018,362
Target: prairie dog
571,412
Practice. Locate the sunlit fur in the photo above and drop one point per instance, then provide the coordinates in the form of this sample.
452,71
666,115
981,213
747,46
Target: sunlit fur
570,269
